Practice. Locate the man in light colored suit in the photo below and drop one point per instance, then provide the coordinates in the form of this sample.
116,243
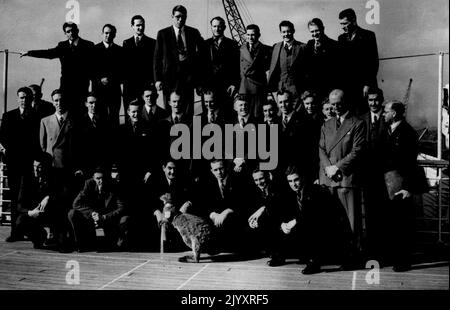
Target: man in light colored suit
341,146
254,61
57,138
285,64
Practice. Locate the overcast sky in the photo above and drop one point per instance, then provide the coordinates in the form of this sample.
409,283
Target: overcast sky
406,27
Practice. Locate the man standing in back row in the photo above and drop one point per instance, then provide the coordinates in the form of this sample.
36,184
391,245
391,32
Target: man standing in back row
360,60
223,55
254,61
177,61
75,55
285,65
138,51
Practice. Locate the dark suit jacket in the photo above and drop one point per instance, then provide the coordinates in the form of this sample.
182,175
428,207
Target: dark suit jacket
108,63
236,196
138,64
95,143
59,143
158,186
322,69
138,153
399,152
31,194
151,119
253,70
76,63
110,205
166,61
20,138
296,68
223,64
343,147
360,58
295,144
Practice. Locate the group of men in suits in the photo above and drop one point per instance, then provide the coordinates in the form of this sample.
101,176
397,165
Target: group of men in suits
179,58
328,154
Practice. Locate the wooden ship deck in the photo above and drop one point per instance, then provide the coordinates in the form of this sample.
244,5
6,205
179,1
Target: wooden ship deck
24,268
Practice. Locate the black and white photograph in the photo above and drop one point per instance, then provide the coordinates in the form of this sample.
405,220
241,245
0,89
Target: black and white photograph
225,150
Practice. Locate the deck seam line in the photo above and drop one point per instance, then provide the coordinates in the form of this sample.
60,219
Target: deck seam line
192,277
124,274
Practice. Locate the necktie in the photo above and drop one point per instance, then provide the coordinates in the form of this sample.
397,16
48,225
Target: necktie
180,43
212,117
138,41
242,122
222,188
287,49
285,120
216,44
61,121
338,122
317,46
176,120
94,122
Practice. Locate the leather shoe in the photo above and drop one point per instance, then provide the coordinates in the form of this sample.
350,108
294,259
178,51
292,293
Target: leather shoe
276,261
13,238
311,268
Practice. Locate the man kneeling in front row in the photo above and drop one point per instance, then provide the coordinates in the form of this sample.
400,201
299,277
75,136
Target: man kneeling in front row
99,206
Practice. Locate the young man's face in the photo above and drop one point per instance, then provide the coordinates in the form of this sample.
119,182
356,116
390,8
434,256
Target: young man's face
316,32
217,28
149,98
91,103
23,100
58,103
328,111
295,182
98,178
170,170
252,36
176,103
242,108
71,33
138,27
375,103
287,33
260,180
285,104
210,103
218,170
108,35
269,112
347,25
133,112
179,19
310,105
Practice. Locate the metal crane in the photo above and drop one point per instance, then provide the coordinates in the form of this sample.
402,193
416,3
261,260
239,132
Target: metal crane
235,21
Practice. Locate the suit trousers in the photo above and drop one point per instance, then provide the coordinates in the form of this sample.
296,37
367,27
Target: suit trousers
350,201
84,228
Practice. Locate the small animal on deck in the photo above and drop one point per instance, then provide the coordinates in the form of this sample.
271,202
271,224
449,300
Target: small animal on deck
197,233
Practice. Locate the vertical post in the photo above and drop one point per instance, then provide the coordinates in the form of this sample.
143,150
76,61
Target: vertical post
441,89
5,81
439,140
